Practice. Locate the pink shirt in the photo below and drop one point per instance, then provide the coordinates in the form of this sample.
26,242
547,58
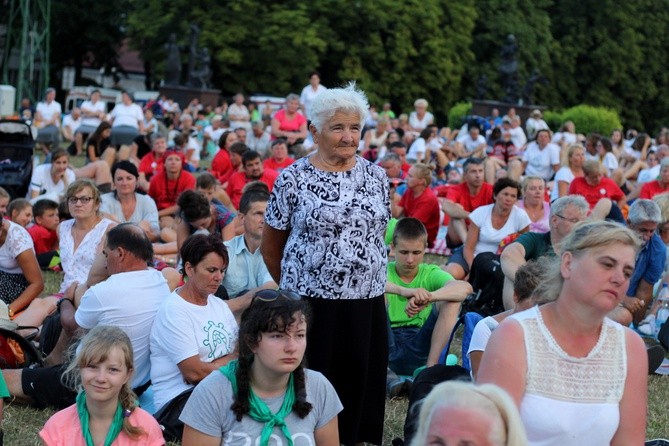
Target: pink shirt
64,429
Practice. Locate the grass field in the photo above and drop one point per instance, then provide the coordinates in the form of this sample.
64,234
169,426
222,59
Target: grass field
21,424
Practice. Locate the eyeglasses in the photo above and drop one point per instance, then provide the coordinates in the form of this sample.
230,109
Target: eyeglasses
272,295
83,200
570,220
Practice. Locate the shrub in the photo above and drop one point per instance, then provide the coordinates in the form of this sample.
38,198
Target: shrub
457,113
588,119
553,119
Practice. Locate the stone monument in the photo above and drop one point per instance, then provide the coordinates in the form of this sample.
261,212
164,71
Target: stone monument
508,79
198,81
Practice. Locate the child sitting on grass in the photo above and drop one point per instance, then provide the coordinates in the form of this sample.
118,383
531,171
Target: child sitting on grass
43,233
20,211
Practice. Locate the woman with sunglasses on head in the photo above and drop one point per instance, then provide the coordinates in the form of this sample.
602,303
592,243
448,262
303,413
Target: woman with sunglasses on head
106,410
194,332
267,392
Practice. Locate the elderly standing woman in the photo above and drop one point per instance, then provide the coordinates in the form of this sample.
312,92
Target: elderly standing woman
323,238
577,376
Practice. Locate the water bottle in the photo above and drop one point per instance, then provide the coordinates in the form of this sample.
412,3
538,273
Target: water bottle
663,307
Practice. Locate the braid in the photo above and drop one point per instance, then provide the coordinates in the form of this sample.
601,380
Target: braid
241,406
128,401
301,406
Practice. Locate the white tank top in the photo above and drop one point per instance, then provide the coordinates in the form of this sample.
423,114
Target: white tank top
571,401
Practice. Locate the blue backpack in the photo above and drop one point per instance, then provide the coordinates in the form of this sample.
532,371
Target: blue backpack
469,320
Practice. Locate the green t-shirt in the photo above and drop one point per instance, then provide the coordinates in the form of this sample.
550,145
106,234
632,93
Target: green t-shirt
431,277
536,245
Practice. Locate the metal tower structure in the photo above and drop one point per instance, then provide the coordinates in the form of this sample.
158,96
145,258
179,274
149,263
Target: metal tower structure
25,53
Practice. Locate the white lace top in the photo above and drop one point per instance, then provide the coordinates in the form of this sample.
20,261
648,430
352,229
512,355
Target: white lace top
17,241
568,400
76,264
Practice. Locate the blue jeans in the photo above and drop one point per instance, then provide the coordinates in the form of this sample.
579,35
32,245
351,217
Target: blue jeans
408,347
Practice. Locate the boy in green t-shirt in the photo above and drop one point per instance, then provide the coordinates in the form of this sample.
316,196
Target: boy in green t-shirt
422,301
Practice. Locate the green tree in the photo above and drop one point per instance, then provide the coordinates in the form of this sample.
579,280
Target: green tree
396,51
399,51
529,22
86,32
255,46
612,54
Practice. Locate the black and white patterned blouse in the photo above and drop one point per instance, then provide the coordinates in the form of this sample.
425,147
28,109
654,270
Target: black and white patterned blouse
336,220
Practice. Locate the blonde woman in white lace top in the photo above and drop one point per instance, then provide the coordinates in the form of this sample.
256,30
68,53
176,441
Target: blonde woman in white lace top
576,376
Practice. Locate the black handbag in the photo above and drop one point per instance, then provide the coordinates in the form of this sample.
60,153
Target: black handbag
168,416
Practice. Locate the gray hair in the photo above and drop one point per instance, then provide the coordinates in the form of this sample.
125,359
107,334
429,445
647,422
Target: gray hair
292,97
349,99
391,157
578,201
643,211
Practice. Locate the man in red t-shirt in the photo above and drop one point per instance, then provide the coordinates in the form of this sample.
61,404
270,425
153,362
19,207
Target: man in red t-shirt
253,170
419,201
279,159
463,198
656,187
603,195
152,162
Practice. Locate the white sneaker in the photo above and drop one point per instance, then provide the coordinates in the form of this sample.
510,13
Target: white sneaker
647,326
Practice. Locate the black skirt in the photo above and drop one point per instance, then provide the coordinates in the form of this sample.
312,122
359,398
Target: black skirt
11,286
348,343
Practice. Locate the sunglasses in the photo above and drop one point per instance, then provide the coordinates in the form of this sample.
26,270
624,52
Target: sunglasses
272,295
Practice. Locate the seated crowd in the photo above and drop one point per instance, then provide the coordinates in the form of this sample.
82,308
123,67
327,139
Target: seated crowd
535,205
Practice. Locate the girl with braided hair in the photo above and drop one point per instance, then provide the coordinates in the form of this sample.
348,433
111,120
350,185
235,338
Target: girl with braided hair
106,410
265,393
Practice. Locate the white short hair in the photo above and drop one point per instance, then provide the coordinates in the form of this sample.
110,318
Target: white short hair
349,99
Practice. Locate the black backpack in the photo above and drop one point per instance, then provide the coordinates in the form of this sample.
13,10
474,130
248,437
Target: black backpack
487,280
422,385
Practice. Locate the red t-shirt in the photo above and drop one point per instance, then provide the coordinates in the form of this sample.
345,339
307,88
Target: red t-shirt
292,125
425,208
150,166
165,192
606,188
238,180
271,163
43,239
406,167
503,150
459,194
221,166
652,188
